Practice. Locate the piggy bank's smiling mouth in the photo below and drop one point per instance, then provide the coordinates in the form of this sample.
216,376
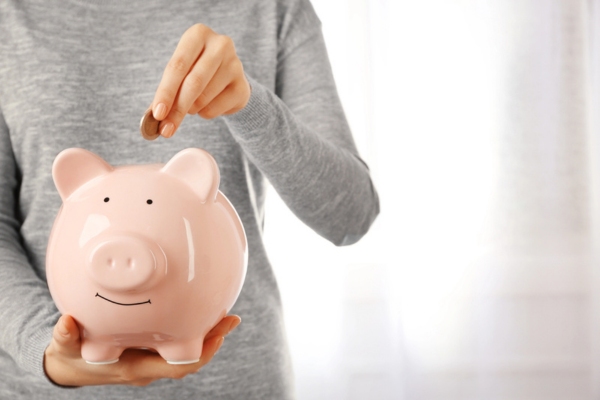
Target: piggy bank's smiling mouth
123,304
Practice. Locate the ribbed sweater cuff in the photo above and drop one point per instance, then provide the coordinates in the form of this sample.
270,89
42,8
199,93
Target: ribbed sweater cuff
253,117
33,354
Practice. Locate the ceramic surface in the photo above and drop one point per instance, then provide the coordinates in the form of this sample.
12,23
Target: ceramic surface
149,256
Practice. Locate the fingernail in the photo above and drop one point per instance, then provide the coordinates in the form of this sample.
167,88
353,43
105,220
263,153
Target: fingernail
220,342
234,324
168,130
159,111
62,329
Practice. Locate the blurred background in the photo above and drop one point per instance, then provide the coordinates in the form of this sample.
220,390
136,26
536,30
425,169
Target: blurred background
479,280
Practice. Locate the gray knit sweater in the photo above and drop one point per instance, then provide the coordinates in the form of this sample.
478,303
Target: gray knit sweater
80,74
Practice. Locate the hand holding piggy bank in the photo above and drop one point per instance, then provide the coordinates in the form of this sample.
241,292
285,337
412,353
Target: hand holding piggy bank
147,256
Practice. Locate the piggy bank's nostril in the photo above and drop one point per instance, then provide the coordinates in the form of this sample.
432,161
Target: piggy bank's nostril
123,263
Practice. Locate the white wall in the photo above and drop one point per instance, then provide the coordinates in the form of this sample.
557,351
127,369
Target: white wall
477,281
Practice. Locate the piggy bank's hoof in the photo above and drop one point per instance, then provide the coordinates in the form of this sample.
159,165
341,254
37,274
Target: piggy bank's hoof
102,362
183,362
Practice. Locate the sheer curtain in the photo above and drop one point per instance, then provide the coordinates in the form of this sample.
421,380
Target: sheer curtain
480,278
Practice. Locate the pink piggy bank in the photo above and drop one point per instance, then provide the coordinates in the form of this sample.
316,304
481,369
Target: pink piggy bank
146,256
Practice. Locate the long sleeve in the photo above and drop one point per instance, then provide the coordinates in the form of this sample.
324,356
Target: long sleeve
300,140
80,75
27,314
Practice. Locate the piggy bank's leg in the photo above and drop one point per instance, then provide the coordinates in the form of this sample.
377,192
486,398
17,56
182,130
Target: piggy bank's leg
181,352
95,352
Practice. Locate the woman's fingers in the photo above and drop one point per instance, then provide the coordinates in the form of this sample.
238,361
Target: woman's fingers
224,327
210,348
66,337
215,87
186,53
205,77
141,365
204,73
63,363
225,103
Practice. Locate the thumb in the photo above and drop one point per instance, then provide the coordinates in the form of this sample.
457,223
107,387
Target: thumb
66,336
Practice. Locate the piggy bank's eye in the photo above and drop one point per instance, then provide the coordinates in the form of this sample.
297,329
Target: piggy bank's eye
149,201
106,199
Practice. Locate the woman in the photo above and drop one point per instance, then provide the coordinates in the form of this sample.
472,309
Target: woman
78,74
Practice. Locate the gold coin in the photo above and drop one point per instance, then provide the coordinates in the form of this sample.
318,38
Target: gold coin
149,126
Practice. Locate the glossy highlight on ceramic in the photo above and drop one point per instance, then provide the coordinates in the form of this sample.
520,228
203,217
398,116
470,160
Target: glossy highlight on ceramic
148,256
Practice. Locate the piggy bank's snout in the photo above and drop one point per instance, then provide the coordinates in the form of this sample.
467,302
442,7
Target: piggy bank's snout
125,263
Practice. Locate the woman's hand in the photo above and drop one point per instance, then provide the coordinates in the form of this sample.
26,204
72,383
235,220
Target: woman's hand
64,366
204,76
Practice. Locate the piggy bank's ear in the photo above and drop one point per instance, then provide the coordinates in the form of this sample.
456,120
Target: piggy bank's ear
197,169
74,167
